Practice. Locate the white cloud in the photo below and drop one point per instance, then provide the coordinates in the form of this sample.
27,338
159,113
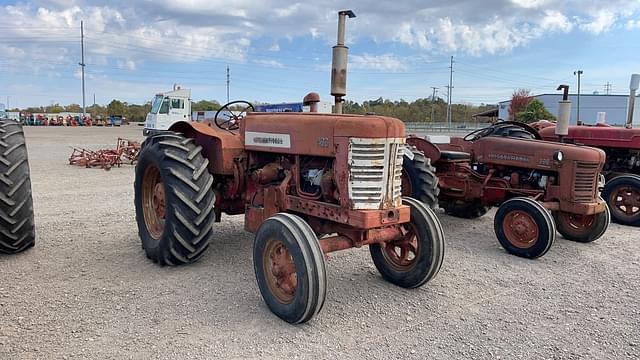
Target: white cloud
269,63
633,24
386,62
127,64
602,21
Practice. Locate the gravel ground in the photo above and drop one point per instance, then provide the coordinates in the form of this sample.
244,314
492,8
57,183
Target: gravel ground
87,290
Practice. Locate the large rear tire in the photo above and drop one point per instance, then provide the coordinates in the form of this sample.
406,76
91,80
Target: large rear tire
290,269
622,194
416,259
419,179
524,228
582,228
17,230
173,199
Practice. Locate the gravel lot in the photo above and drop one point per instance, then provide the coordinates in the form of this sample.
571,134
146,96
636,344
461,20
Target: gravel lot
87,290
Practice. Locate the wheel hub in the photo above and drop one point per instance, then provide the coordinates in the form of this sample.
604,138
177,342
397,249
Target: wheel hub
153,202
280,271
626,201
402,254
520,229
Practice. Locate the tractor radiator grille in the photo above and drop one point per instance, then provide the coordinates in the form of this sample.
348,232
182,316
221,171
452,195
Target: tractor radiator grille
585,181
375,167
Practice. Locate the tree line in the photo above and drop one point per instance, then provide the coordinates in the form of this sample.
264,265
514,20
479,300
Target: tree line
420,110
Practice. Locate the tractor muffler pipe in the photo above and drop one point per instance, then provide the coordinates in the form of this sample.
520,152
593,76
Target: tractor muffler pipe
564,113
633,86
339,62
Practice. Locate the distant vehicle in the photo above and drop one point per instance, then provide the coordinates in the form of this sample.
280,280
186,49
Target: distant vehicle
168,108
115,120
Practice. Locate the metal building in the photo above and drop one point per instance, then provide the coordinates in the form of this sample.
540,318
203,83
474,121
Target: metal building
614,106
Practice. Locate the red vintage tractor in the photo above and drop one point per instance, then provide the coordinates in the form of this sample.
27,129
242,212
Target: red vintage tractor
538,185
622,167
307,183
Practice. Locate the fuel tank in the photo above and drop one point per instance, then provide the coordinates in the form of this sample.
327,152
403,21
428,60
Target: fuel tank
312,133
534,154
599,136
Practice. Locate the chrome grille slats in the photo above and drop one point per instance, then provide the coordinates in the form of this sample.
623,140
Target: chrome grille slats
375,167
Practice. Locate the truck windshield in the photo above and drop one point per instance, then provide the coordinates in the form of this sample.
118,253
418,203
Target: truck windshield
157,101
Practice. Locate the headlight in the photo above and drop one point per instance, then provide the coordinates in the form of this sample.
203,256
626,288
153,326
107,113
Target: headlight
558,156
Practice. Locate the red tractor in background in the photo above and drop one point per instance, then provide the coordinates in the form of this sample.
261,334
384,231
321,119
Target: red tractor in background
538,185
622,166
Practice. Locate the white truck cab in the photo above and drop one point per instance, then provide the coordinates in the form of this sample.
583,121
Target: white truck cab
167,109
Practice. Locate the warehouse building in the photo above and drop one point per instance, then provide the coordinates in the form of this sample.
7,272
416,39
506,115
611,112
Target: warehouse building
614,107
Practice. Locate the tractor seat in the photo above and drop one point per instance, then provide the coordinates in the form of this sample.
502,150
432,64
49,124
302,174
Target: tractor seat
454,155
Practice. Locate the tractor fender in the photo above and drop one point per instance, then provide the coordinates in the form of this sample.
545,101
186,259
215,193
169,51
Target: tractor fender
429,149
220,147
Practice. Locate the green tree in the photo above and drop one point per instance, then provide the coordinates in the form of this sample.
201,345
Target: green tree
205,105
115,107
73,108
534,111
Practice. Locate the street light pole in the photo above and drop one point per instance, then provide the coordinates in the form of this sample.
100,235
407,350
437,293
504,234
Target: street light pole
579,73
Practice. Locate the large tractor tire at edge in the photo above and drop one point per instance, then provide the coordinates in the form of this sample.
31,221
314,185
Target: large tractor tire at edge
17,231
419,180
173,198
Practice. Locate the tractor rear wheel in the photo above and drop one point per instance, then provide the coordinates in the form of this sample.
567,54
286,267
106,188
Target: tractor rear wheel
290,269
419,179
17,230
524,228
173,199
467,210
622,194
582,228
417,258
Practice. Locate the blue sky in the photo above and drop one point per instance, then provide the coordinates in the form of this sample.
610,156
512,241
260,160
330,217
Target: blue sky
278,50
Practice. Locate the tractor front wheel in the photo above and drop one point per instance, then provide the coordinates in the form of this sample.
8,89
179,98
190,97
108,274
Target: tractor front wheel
524,228
290,269
173,199
623,196
414,260
582,228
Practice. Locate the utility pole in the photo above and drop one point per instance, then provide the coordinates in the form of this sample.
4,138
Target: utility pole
94,100
579,73
227,84
607,88
8,102
450,91
433,102
81,63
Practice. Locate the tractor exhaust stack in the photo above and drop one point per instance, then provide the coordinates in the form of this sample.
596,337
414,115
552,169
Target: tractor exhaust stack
564,113
339,62
633,86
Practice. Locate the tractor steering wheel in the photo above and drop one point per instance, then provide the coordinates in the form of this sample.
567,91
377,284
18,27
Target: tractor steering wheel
228,119
512,129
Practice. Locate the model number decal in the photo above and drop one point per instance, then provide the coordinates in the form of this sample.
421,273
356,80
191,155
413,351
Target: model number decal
509,157
267,139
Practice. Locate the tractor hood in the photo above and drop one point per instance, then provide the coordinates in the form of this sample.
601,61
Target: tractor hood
313,133
600,136
532,153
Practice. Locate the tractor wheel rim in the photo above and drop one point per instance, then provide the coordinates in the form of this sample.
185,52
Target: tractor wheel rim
402,255
153,202
407,188
520,229
625,202
578,222
280,271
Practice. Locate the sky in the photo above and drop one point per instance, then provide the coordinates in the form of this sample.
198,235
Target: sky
277,51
